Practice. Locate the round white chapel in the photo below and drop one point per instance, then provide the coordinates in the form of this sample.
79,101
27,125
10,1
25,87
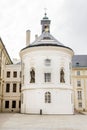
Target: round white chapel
46,74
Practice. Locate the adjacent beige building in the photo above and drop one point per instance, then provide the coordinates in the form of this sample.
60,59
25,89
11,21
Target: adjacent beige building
4,60
10,82
12,88
79,81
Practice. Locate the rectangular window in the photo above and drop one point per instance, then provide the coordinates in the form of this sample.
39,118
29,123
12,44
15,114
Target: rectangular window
78,83
78,73
15,74
13,104
47,77
8,74
80,104
79,95
14,87
6,104
7,87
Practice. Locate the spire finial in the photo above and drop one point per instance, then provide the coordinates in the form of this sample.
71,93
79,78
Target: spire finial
45,11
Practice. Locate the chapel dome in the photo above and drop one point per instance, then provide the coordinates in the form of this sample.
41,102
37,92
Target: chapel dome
46,39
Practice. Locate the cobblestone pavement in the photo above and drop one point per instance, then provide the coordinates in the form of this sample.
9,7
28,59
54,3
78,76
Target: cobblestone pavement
42,122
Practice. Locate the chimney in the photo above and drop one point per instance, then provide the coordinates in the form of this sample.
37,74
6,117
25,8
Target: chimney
36,36
27,37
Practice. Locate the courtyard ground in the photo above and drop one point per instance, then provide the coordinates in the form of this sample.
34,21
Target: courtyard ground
16,121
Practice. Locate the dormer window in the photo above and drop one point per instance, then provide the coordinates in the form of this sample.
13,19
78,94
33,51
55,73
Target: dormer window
77,63
46,38
47,62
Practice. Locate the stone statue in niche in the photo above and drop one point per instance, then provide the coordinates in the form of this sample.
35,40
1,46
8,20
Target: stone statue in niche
32,75
62,76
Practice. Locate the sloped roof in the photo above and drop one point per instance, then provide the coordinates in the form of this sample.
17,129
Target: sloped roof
79,61
46,39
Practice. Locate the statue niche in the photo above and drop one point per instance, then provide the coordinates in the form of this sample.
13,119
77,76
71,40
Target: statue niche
32,75
62,76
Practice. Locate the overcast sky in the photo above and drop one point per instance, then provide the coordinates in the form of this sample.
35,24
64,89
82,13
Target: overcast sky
68,23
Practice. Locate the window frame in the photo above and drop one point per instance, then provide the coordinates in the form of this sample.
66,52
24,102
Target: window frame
7,104
79,83
8,74
7,87
15,74
47,97
47,77
80,104
79,94
13,103
14,87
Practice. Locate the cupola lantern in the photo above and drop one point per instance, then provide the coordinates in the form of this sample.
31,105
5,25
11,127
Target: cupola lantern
45,22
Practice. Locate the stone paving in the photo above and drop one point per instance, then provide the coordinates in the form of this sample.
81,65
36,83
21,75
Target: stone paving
16,121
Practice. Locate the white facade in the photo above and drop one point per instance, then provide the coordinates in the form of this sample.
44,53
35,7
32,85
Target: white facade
46,75
34,93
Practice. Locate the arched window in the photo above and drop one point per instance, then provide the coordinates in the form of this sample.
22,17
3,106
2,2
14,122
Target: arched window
47,97
32,76
62,80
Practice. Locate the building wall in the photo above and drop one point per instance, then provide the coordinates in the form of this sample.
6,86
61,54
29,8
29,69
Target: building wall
9,93
80,91
4,59
33,93
34,101
36,59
